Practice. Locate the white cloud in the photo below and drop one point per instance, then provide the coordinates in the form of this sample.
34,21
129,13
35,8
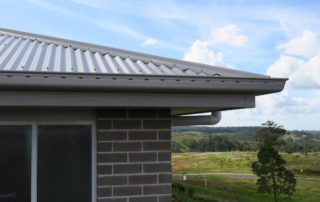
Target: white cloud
308,44
300,100
286,104
149,42
290,106
200,52
294,112
228,35
284,66
302,73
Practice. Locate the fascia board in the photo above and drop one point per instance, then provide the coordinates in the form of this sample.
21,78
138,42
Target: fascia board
197,102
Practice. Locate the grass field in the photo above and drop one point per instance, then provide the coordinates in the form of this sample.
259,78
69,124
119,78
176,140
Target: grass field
220,189
240,162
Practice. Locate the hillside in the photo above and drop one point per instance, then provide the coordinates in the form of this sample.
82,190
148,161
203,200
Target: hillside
186,139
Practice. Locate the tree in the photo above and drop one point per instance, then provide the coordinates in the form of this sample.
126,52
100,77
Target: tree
273,177
270,133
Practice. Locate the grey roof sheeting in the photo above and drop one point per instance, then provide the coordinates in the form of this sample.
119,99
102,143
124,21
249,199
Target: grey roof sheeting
22,51
48,61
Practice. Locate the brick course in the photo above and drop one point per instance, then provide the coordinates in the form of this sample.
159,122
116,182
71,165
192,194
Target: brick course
133,155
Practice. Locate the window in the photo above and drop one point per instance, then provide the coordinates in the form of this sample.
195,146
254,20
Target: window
64,163
45,162
15,163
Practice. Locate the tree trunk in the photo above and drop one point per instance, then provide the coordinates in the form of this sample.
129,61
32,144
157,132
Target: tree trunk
275,194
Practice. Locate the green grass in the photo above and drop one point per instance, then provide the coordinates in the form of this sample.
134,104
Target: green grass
240,162
221,189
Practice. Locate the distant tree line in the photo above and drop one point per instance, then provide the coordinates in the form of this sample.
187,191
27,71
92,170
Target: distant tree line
219,139
210,130
213,143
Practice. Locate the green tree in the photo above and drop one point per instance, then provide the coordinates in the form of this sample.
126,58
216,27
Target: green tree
273,177
270,133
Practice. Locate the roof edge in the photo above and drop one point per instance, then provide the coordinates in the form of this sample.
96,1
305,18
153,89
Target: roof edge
119,75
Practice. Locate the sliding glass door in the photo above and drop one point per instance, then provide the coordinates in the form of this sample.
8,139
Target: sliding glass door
46,163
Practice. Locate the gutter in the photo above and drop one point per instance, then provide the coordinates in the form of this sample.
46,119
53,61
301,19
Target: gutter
139,83
212,119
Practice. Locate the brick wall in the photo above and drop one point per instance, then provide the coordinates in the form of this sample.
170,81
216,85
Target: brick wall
134,155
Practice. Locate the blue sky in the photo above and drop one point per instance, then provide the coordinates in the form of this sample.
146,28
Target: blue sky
279,38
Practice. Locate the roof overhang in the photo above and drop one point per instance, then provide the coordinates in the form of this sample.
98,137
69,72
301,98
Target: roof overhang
183,94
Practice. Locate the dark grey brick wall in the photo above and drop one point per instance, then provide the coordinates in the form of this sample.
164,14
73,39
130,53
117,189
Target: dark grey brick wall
133,155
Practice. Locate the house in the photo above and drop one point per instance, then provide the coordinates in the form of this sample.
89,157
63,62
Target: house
84,122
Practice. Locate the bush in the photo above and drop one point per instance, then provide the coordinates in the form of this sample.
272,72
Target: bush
190,192
178,187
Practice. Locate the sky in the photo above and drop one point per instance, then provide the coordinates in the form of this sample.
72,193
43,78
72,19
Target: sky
277,38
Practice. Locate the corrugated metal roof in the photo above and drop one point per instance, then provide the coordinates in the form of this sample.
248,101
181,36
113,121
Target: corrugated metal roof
26,52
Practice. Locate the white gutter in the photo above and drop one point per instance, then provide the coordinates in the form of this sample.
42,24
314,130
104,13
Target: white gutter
212,119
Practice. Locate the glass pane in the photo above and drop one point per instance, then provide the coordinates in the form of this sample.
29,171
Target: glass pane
64,163
15,163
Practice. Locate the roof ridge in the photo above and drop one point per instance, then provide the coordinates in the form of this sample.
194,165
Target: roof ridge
198,68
